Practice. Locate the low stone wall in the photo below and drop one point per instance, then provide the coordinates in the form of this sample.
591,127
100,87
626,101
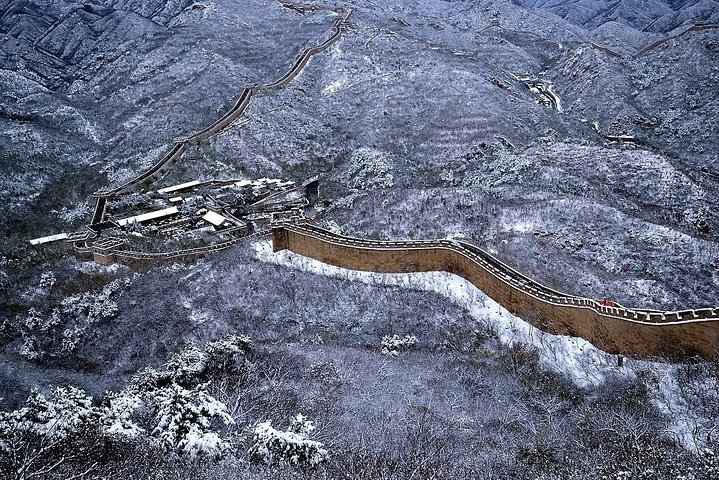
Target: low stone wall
617,330
694,28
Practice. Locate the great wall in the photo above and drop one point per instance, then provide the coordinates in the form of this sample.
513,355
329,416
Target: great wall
609,326
695,27
155,172
88,245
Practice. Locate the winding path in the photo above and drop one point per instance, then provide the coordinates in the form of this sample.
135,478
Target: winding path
107,255
694,28
544,90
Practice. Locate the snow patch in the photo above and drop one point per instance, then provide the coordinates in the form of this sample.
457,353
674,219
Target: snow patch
334,87
520,227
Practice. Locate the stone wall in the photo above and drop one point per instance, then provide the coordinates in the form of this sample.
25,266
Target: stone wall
614,329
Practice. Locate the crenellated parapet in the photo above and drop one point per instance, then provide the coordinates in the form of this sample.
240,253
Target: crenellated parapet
609,326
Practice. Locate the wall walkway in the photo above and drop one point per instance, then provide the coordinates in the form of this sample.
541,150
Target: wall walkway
614,329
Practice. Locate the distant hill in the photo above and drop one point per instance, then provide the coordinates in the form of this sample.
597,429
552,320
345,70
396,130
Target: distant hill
658,16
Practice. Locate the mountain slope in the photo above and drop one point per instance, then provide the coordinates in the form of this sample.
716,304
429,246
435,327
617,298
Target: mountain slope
658,16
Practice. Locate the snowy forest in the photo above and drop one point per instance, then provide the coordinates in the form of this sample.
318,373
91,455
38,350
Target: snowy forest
574,141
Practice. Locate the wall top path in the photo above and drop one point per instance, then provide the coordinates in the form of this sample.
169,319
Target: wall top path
694,331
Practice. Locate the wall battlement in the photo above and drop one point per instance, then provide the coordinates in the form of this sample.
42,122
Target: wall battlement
613,328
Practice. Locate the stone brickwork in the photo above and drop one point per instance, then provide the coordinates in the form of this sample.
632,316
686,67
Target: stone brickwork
614,329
